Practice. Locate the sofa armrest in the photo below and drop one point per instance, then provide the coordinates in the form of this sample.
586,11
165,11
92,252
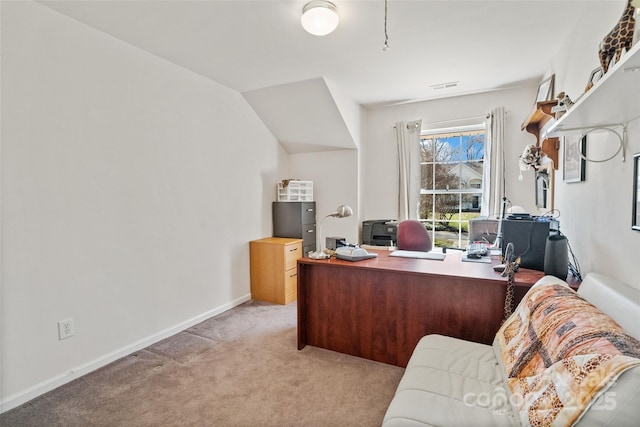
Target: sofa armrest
561,354
618,300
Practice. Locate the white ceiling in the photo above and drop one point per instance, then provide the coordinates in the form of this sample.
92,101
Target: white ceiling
251,45
304,116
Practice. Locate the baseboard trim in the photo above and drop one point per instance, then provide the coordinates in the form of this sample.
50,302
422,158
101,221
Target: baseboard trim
24,396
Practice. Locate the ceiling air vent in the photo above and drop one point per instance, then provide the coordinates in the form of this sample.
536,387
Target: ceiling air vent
444,85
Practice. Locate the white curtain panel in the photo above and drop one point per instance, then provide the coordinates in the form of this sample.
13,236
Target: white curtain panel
493,174
408,136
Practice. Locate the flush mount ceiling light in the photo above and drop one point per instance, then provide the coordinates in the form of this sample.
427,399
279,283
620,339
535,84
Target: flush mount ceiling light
319,17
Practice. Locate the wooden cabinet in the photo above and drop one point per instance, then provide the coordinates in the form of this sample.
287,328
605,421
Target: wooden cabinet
296,220
274,270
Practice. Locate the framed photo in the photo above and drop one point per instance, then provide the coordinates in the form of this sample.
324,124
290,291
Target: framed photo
545,89
573,165
594,77
635,221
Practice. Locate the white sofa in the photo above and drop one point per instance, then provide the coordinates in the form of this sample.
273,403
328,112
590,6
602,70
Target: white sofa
451,382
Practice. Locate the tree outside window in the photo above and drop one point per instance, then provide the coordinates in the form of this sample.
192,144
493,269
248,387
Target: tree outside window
451,183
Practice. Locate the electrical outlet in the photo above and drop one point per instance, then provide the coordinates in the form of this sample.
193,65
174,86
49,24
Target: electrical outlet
65,328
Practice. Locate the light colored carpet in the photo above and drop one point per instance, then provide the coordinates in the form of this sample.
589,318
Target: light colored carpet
241,368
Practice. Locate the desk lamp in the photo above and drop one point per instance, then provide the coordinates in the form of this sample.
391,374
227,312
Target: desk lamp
342,211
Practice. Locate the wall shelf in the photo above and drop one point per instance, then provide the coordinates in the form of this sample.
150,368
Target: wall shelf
535,124
538,118
613,101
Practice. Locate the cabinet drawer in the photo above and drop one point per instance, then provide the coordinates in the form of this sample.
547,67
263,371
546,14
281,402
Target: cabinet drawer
308,213
290,285
273,269
291,255
309,235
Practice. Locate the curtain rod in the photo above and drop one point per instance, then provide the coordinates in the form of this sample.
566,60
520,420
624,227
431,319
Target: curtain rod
486,116
447,121
414,122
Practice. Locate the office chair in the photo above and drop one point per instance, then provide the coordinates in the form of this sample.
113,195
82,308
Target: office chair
483,230
412,236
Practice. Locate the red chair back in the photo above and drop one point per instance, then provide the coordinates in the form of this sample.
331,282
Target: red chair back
413,236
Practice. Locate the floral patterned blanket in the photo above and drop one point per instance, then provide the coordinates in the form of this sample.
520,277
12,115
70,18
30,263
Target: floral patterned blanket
560,353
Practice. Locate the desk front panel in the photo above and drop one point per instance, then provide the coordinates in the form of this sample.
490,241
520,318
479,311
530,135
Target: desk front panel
381,313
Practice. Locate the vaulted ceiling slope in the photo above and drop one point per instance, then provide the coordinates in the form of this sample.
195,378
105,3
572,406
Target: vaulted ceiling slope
305,117
254,45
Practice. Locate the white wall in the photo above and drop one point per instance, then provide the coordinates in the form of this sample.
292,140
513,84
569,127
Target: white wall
335,174
335,182
117,169
596,213
380,176
350,111
130,190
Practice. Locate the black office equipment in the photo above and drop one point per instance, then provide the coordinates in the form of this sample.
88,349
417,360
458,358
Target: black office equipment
556,257
380,232
333,243
296,220
529,237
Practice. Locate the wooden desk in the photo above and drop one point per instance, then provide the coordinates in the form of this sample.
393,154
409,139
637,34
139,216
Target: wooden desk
380,308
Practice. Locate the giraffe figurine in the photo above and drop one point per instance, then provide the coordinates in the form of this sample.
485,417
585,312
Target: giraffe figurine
620,37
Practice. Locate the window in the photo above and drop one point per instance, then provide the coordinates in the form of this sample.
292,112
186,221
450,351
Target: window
452,162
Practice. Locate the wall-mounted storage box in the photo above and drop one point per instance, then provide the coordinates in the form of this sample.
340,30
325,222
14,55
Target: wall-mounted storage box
295,191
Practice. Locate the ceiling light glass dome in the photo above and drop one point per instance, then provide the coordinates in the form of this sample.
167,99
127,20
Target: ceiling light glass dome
319,17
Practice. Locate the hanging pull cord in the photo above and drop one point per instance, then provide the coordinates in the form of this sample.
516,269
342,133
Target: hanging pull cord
386,36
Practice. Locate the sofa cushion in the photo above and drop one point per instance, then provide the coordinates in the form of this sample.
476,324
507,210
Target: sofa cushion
560,353
451,382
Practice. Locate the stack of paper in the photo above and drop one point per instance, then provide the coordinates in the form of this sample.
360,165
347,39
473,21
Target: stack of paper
417,254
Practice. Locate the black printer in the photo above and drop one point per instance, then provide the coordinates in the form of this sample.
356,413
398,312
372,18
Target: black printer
380,232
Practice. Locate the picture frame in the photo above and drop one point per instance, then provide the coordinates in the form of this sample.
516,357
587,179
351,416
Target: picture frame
573,163
545,89
635,219
594,77
543,188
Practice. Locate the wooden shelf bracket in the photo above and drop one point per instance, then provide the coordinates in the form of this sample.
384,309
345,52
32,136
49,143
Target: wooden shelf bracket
539,118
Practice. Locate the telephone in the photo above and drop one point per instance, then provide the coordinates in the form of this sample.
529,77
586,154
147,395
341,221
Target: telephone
353,253
476,250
